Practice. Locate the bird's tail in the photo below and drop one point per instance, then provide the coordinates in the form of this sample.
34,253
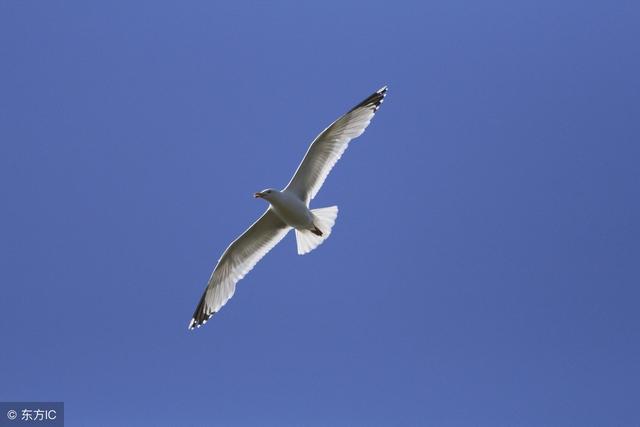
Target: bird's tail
323,219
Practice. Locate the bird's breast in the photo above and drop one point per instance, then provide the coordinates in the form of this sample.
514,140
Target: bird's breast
293,212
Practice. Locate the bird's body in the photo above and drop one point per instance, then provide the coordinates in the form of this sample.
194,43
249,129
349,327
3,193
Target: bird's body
289,209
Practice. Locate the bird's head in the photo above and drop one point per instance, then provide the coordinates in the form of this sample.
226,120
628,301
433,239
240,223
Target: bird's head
267,194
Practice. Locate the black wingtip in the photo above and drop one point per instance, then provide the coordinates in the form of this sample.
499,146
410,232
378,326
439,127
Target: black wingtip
374,100
200,316
200,321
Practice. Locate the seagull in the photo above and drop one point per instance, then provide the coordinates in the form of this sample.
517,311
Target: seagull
288,209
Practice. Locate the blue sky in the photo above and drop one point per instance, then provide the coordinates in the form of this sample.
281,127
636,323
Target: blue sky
484,267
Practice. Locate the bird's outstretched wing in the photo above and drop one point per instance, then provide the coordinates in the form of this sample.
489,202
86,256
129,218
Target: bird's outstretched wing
328,147
236,261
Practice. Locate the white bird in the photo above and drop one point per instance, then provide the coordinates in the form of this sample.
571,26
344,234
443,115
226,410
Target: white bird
288,209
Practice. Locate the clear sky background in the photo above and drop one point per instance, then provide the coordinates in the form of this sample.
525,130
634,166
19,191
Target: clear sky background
485,265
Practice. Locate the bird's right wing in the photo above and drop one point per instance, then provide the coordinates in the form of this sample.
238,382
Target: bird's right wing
236,261
329,146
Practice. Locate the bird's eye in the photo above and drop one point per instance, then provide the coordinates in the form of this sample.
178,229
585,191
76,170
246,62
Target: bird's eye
268,191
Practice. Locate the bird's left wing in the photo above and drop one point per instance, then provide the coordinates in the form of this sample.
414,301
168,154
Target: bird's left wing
329,146
236,261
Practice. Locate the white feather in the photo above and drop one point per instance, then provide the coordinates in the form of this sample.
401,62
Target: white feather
329,146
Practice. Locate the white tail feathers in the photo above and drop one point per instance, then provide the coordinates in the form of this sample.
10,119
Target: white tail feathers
323,219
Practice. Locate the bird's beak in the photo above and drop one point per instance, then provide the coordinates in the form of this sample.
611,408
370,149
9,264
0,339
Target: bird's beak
258,195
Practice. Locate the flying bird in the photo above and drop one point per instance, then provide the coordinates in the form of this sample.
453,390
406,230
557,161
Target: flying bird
288,209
